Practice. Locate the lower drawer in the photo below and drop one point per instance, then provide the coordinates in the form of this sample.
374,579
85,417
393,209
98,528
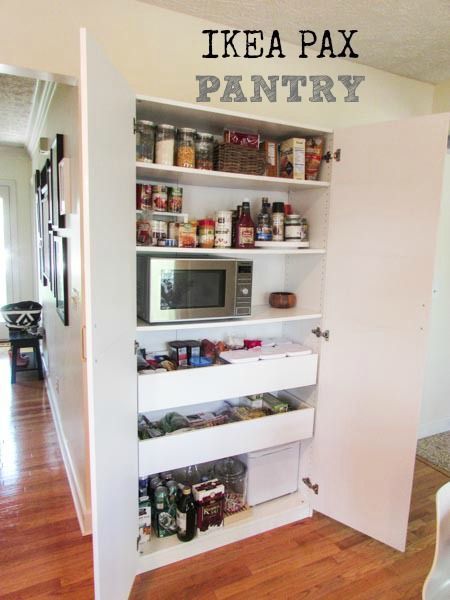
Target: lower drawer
178,450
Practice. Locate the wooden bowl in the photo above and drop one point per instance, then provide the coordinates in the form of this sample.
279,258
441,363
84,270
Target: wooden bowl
282,300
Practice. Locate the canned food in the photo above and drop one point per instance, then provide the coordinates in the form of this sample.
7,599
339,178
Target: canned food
175,204
206,233
159,231
159,198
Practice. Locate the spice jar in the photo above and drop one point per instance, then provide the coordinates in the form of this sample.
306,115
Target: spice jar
233,474
159,198
165,144
175,203
204,151
186,148
145,141
223,228
206,233
292,227
278,221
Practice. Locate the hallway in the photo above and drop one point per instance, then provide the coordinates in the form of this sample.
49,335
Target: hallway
42,552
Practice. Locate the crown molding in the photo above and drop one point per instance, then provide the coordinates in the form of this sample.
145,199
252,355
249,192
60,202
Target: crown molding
42,98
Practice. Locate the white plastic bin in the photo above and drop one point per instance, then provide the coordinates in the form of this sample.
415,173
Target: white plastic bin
272,472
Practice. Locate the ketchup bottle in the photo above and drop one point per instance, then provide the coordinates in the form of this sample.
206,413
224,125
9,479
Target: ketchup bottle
245,230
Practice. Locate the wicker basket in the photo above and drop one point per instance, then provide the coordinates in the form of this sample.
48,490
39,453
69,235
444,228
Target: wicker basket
232,158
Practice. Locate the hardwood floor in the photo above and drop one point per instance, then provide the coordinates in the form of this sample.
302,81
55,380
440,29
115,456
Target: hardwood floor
43,555
42,552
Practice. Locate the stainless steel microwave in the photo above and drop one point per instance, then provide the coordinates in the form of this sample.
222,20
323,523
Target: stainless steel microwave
191,289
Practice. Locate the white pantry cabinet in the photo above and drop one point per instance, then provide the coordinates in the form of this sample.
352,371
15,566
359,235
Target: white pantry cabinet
373,223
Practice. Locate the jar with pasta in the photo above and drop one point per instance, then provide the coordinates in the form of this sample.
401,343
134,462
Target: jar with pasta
165,144
186,148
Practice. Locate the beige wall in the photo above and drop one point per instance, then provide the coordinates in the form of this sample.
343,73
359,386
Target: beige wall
441,98
62,349
15,166
159,52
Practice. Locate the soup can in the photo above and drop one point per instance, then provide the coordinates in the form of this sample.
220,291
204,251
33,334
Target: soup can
223,229
159,198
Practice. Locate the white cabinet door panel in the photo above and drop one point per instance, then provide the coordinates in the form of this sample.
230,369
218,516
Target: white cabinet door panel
384,208
107,110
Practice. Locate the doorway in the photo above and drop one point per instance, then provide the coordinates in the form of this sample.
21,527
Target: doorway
8,240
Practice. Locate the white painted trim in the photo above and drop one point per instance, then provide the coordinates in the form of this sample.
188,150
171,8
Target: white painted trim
42,98
34,74
434,427
83,513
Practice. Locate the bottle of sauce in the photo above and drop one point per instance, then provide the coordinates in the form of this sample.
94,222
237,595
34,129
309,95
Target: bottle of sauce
186,516
264,226
278,221
245,230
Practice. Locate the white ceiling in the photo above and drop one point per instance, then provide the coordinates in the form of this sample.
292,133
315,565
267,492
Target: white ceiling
406,37
16,102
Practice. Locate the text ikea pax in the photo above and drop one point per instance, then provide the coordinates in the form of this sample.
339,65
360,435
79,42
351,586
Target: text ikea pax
251,44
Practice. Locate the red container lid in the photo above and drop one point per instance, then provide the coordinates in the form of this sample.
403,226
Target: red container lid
206,222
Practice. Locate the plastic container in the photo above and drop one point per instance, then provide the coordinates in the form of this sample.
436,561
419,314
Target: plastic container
223,228
165,144
145,141
278,465
186,148
233,474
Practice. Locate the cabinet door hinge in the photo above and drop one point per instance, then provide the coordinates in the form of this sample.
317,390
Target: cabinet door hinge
312,486
336,155
134,125
319,333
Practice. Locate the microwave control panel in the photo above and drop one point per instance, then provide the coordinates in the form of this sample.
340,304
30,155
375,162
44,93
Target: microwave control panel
244,278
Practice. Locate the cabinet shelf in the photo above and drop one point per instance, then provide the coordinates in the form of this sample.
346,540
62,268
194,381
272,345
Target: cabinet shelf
189,387
212,443
261,315
148,172
230,251
264,517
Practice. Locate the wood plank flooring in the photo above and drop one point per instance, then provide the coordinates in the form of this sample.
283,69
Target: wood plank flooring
43,555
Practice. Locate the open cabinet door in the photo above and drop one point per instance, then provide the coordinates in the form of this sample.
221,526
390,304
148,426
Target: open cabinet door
384,210
107,111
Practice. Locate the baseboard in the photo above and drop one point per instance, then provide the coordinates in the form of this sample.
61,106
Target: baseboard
83,513
439,426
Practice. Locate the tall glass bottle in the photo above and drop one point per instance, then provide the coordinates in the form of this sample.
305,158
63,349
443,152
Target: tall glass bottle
186,516
264,226
245,231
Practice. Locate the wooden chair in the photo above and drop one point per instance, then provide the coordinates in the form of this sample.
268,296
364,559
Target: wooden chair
437,584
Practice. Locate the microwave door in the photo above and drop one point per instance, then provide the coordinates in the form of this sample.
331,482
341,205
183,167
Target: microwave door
184,289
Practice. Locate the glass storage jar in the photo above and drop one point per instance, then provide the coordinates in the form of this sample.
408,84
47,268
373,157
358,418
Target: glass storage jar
233,474
204,151
145,141
292,227
165,144
186,148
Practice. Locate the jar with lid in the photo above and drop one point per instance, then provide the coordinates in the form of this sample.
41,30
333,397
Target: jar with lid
233,474
206,233
278,221
145,141
204,151
186,148
223,227
292,227
165,144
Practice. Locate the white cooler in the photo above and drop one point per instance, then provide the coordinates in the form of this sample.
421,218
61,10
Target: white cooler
272,472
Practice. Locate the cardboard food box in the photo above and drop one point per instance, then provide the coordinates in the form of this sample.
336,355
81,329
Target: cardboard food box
145,524
240,138
210,503
292,158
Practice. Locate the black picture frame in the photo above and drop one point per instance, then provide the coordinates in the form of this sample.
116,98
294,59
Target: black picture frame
61,277
56,155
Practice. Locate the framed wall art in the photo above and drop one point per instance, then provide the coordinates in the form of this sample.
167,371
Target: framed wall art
47,247
61,277
58,206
